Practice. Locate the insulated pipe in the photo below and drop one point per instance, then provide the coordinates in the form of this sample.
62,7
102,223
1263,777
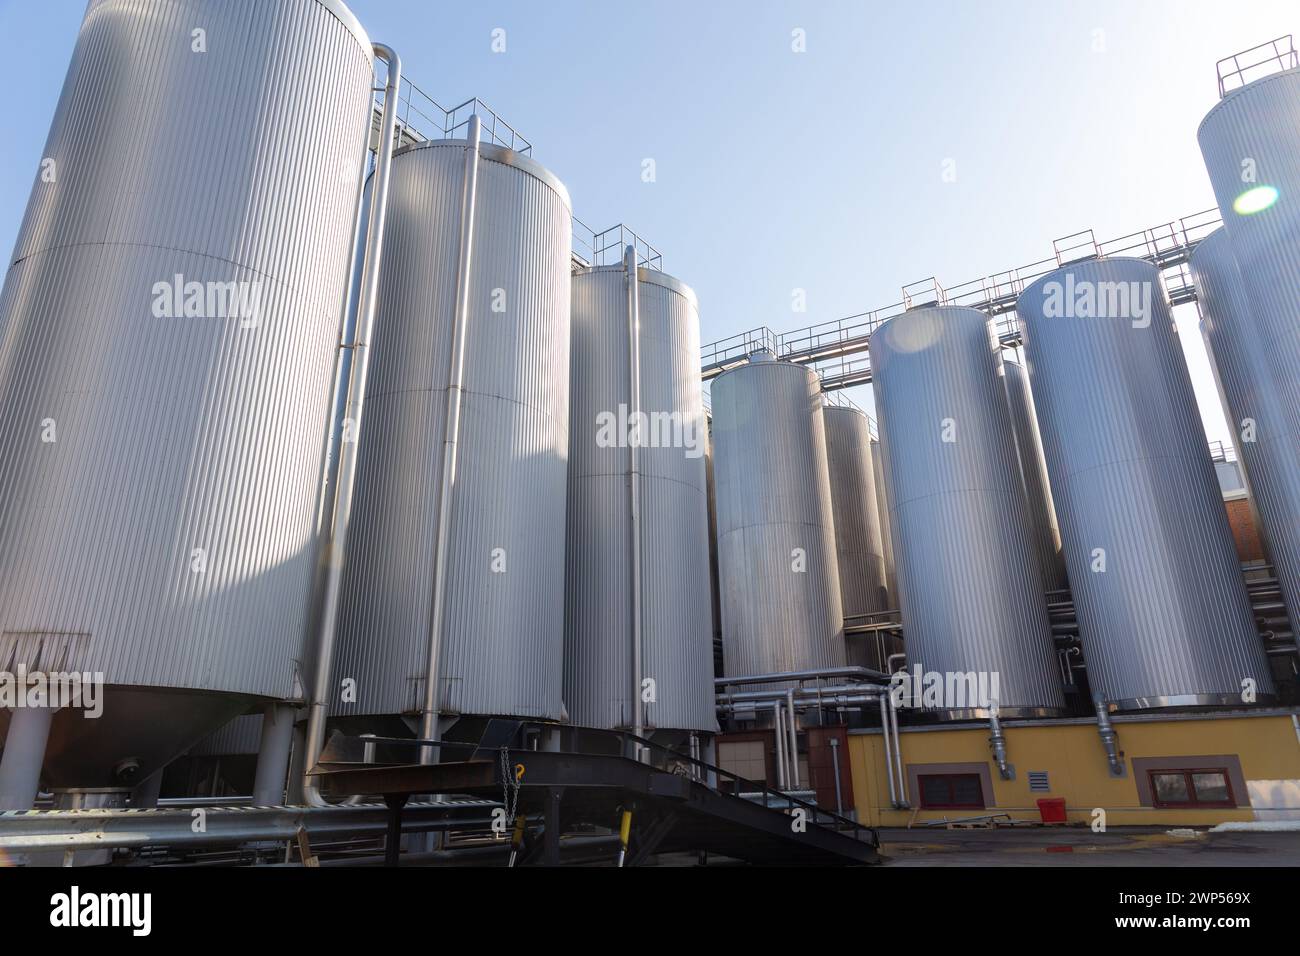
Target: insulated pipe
793,730
863,672
273,755
347,452
709,754
889,755
634,484
803,694
998,741
778,734
835,765
451,433
1109,739
24,753
898,751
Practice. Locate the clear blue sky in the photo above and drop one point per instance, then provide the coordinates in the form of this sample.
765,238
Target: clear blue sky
819,170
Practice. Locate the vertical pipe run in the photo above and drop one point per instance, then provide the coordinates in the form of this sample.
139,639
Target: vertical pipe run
885,707
634,482
793,730
778,734
347,452
24,753
273,755
709,754
451,438
898,752
835,766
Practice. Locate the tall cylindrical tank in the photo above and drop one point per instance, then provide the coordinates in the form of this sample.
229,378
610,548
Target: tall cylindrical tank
1251,144
858,545
1266,431
859,549
1163,613
502,641
969,587
676,604
886,533
778,574
1033,469
170,326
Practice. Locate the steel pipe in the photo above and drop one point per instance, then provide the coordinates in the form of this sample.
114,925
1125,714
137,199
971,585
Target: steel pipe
451,439
347,453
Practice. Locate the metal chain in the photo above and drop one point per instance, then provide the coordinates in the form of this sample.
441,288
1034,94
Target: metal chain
510,787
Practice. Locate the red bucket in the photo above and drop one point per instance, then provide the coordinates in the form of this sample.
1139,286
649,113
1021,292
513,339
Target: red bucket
1052,809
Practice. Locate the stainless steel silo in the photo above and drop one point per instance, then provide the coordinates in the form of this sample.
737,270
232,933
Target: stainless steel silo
170,323
886,533
477,231
1033,469
1266,431
859,548
1163,613
777,568
671,572
1251,144
969,586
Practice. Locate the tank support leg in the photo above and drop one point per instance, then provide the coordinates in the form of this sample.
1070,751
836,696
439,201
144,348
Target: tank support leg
273,756
24,753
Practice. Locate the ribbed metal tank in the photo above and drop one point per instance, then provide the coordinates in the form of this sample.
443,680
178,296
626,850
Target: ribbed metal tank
1167,622
161,466
969,587
1033,469
774,518
858,545
504,631
1242,352
1257,128
886,533
676,605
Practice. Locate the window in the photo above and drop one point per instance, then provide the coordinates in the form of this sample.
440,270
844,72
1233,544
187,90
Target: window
951,791
1191,788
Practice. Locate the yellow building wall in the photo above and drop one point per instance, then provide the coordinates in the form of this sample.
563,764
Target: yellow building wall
1073,756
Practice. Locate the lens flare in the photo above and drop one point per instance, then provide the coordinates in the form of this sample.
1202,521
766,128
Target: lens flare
1254,200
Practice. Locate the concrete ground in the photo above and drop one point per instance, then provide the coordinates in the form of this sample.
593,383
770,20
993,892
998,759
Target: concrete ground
1079,846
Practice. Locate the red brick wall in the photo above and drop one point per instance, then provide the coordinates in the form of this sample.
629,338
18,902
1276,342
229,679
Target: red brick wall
1244,532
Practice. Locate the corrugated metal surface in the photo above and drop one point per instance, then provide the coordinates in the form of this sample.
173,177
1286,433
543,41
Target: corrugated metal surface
773,497
1168,620
502,646
1260,123
187,433
858,544
969,586
1242,351
886,532
677,651
1033,469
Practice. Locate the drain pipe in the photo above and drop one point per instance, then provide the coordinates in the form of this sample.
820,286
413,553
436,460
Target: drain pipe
998,741
793,730
347,453
1109,739
451,440
889,755
634,484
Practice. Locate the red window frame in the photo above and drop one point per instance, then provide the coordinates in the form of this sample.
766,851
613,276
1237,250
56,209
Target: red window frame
1192,802
921,779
